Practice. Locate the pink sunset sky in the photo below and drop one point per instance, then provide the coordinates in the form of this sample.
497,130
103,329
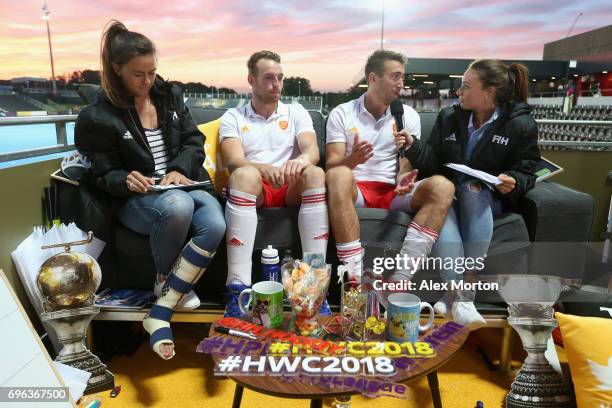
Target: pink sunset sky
324,41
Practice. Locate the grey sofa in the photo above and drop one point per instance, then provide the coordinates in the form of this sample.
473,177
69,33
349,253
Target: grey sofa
550,212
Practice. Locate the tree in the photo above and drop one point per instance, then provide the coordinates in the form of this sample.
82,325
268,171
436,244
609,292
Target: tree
60,82
227,91
74,78
296,86
89,76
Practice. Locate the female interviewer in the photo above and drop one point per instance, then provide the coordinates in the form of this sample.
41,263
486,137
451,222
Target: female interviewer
138,130
491,129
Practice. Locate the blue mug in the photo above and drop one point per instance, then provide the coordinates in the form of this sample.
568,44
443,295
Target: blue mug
403,315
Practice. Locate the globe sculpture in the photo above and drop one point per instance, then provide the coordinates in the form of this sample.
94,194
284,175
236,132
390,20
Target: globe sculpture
67,283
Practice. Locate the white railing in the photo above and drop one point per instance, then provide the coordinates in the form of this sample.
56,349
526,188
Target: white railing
314,103
60,135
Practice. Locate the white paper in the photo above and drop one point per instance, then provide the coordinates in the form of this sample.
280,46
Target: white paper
157,187
482,175
75,379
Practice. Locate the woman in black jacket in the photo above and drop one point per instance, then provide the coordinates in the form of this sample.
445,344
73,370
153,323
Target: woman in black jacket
136,134
490,130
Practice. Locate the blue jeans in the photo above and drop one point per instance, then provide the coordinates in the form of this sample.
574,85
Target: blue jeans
468,228
169,217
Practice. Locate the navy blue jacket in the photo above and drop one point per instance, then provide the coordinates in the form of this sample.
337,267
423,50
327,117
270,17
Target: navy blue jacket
509,146
114,140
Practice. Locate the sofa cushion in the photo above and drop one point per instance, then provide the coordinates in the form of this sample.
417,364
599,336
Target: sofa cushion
589,353
214,162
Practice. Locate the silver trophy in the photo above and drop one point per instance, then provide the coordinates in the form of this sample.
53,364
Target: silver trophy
67,283
530,300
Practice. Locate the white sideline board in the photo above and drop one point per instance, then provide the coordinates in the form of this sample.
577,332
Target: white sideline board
24,361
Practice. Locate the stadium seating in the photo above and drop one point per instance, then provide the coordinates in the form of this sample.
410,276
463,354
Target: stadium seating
572,132
547,112
11,103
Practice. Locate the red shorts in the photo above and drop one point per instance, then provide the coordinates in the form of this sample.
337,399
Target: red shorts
376,194
274,197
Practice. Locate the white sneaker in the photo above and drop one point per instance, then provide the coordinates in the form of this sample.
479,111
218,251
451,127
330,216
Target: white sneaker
189,301
444,305
465,313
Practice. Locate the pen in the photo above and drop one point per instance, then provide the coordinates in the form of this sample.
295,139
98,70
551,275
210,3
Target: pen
227,330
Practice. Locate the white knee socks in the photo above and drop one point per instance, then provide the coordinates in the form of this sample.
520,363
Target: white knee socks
416,247
313,222
351,254
241,219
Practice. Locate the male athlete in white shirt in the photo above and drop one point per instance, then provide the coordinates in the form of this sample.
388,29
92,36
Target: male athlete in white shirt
271,151
363,170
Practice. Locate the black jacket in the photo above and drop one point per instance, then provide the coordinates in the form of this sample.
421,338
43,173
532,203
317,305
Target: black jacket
114,140
509,146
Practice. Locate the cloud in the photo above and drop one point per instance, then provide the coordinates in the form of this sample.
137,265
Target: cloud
325,41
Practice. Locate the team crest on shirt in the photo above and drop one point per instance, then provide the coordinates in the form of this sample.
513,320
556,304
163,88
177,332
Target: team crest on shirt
283,124
394,127
244,129
352,131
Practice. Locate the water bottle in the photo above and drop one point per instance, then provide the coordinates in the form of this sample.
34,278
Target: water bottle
270,269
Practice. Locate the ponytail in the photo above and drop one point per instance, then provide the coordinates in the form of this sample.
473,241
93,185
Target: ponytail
520,76
510,81
119,46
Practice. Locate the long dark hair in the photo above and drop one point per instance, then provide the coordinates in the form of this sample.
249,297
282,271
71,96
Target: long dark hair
510,81
119,46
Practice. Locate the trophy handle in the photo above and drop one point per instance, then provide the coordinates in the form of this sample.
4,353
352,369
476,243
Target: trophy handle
67,245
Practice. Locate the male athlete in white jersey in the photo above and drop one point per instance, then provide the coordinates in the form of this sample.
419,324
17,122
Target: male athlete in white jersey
363,170
271,151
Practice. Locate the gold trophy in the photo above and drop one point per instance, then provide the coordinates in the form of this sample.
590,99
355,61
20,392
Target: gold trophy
67,283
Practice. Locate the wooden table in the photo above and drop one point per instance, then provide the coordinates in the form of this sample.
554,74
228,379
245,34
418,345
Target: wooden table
276,386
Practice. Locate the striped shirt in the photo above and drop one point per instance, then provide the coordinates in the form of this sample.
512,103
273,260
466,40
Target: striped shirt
161,156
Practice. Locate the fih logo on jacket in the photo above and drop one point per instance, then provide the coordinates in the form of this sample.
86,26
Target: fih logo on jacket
501,140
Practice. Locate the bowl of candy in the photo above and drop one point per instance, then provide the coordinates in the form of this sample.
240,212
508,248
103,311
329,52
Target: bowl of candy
306,287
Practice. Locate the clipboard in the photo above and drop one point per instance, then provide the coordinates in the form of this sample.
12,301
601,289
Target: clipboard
187,187
545,169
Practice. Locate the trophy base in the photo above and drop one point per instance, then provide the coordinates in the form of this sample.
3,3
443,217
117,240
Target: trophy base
71,327
539,387
537,384
101,379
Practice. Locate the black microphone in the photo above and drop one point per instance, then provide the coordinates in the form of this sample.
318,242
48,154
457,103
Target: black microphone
397,110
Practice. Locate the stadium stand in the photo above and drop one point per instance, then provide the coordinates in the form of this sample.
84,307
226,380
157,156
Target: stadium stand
589,112
67,97
547,112
574,132
11,103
